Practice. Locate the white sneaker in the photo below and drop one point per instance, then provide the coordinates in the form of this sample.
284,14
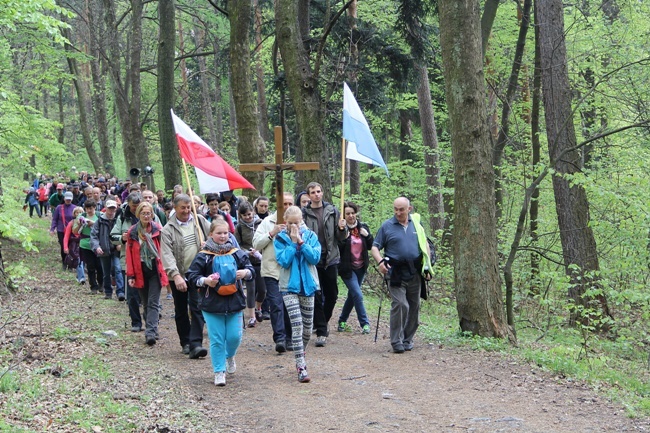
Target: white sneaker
231,365
220,378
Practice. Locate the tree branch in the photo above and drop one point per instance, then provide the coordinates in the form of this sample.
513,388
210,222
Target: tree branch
323,38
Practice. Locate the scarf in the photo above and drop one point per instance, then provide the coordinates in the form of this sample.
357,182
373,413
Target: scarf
213,247
354,229
148,250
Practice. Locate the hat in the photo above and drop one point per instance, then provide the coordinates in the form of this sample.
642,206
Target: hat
60,186
101,179
31,189
111,203
68,196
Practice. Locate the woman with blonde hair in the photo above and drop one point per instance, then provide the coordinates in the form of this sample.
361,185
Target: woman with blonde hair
297,251
144,269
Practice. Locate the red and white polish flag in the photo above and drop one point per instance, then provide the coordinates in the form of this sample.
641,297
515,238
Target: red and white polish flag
213,173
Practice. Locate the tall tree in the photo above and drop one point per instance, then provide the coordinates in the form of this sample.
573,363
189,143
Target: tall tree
96,27
127,89
303,85
476,265
83,104
504,132
166,50
262,104
411,22
571,204
250,146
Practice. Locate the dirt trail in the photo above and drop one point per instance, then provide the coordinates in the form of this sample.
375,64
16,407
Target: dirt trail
357,386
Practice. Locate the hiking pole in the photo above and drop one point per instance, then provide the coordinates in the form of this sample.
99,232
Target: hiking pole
381,299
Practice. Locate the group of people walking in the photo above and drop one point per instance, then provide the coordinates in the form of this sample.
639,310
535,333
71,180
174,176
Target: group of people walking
230,267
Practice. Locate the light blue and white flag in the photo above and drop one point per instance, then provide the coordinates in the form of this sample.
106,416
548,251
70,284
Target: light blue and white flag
361,144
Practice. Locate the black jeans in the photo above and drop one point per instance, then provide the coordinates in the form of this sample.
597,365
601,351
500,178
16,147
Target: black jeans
325,299
94,267
186,305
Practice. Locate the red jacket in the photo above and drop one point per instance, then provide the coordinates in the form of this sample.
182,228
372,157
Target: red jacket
133,263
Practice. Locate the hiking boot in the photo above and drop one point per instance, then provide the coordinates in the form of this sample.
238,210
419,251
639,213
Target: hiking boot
198,352
121,297
151,340
398,348
321,341
108,296
303,376
231,365
408,346
136,328
280,347
220,378
365,329
342,327
258,315
252,322
82,282
186,349
266,315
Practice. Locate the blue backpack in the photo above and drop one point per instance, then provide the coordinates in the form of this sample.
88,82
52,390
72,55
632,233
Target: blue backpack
226,266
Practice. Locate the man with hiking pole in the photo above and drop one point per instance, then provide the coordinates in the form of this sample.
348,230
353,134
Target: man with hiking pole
406,255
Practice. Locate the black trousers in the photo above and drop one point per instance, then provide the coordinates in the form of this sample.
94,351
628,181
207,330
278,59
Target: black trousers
188,316
325,299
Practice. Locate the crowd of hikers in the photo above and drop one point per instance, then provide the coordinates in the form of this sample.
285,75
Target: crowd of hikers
230,264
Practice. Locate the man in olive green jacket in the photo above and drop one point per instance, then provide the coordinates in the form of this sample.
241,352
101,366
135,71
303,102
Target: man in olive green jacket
182,239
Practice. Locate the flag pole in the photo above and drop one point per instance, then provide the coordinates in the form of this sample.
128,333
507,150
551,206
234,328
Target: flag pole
342,178
189,187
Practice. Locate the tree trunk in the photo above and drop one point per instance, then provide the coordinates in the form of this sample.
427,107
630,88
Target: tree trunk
262,105
504,132
405,135
250,146
487,19
536,151
171,160
304,92
206,100
232,118
476,265
217,96
571,204
61,136
82,103
353,165
431,157
96,28
184,93
136,154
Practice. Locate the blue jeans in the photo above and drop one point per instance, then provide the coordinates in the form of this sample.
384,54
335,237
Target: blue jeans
80,272
111,265
225,332
355,298
280,330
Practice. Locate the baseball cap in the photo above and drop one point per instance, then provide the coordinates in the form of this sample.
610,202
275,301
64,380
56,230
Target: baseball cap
111,203
68,196
60,186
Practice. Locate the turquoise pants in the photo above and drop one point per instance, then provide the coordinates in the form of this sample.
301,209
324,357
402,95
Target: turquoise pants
225,332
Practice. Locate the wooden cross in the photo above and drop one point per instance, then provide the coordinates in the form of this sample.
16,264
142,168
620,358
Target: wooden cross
278,168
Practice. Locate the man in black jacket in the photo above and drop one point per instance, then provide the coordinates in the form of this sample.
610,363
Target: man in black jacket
324,219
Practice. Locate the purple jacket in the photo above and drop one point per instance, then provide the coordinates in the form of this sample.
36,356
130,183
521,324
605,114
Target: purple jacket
57,217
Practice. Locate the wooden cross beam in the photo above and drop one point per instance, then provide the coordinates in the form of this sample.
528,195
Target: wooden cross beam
278,168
